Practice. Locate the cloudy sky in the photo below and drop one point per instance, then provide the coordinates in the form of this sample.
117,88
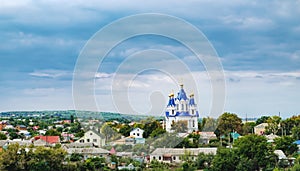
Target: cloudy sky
258,44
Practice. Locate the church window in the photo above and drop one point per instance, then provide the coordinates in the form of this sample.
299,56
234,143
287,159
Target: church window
192,111
182,106
173,112
177,106
193,123
186,107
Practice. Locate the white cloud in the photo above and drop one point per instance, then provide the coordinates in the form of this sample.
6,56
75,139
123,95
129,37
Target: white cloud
51,73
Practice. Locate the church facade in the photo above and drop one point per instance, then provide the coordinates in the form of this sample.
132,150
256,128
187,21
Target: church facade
181,108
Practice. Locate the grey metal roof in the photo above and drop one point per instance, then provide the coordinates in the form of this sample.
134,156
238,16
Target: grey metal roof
180,151
87,151
3,142
78,145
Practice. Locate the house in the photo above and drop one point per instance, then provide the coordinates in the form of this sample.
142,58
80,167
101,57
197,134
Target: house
282,157
21,142
46,140
124,140
205,137
271,137
9,127
139,141
129,167
92,136
35,128
21,127
25,133
173,155
88,152
137,133
2,125
78,145
42,132
260,129
67,137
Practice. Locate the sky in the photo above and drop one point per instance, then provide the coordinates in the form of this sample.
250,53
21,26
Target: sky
257,43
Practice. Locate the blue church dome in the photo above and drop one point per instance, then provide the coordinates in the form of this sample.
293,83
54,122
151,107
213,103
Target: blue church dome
181,94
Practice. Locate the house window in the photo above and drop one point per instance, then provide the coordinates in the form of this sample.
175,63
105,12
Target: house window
174,157
177,106
133,133
91,133
153,158
94,140
159,158
173,112
193,111
186,107
88,140
138,134
193,123
81,141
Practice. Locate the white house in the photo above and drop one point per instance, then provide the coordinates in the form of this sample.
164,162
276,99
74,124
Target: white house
183,109
260,129
173,155
92,136
88,152
137,133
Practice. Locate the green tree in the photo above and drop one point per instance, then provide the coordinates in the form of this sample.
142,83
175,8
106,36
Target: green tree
158,166
108,132
158,131
47,159
52,132
225,160
72,118
204,161
150,125
247,128
262,119
180,126
2,136
273,125
208,124
168,140
254,150
296,132
229,122
13,158
76,157
286,145
296,166
125,130
95,163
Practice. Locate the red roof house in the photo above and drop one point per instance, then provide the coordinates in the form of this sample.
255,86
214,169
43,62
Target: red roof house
49,139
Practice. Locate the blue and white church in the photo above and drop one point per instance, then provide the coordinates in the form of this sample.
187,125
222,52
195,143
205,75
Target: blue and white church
182,108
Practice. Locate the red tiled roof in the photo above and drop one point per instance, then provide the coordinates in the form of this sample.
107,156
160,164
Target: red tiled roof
49,139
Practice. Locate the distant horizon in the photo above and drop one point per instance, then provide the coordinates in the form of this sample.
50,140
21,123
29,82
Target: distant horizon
200,117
